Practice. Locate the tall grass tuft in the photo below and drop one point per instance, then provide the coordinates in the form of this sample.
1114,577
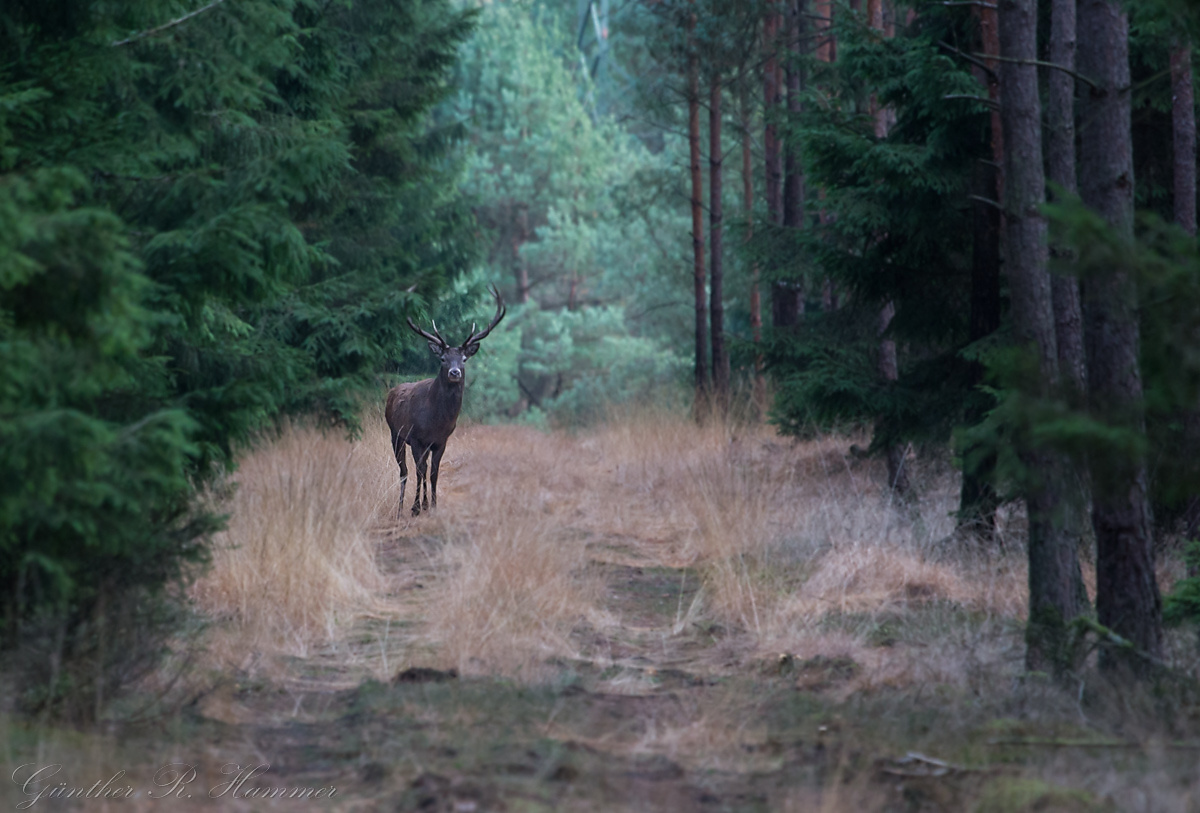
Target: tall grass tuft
512,575
297,559
514,591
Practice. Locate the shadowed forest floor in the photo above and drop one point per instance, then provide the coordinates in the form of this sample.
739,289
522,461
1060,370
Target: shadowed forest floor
646,616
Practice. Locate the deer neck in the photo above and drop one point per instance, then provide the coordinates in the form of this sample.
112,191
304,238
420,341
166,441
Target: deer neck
448,394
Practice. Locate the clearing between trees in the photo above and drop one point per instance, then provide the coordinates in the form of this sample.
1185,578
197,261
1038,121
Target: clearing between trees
648,615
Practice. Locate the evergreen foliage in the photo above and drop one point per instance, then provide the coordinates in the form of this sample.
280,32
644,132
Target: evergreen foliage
205,222
573,212
893,224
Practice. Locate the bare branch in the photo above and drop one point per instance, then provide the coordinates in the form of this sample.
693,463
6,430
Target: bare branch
983,99
970,3
1042,64
988,201
977,63
152,31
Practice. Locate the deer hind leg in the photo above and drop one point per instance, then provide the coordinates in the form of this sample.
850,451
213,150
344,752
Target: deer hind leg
420,459
433,474
398,449
425,480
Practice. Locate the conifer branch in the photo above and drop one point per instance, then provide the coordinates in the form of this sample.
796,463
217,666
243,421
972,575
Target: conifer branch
152,31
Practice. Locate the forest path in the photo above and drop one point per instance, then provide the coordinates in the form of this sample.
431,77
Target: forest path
647,616
634,696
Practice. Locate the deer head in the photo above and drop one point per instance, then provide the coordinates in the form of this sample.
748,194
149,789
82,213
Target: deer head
454,358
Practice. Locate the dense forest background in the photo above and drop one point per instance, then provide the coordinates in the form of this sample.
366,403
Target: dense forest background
827,214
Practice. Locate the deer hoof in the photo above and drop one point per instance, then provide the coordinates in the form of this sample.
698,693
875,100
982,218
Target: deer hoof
416,509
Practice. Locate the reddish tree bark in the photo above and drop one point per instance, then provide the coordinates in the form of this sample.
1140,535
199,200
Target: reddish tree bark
771,97
989,34
702,380
1127,597
760,382
826,52
793,183
720,359
826,44
785,298
889,365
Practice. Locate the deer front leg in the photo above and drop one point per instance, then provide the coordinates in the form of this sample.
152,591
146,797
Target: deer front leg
419,462
433,473
398,449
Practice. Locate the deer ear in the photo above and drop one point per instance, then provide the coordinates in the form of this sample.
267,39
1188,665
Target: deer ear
470,350
436,349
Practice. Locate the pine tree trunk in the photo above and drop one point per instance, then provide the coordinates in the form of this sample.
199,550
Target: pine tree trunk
1056,593
1060,165
826,51
720,359
889,371
1068,309
771,96
1183,128
760,382
889,365
792,296
793,183
1127,596
826,44
702,389
1183,133
785,310
978,500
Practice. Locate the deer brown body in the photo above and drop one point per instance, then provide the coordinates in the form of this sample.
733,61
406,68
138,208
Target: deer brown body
423,414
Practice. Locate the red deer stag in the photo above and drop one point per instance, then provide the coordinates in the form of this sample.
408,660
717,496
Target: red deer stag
423,414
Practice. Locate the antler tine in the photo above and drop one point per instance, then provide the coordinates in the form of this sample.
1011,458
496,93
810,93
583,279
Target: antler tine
500,311
439,335
434,337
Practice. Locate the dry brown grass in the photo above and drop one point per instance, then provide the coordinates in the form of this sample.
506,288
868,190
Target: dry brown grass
509,580
297,561
787,535
531,566
790,540
513,589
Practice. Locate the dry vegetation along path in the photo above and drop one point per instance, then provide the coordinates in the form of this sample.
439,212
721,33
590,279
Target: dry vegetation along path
645,616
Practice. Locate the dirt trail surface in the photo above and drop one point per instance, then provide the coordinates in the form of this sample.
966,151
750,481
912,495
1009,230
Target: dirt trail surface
642,618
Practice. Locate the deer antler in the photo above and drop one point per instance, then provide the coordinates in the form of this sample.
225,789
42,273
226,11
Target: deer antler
434,337
475,338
